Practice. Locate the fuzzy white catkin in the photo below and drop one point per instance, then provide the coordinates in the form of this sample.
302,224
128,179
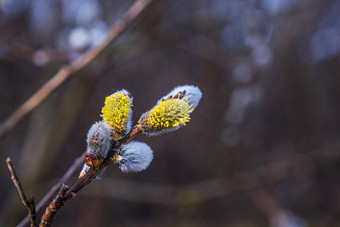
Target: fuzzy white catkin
192,94
135,157
99,140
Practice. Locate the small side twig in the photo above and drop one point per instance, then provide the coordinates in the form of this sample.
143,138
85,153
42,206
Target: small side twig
68,174
29,204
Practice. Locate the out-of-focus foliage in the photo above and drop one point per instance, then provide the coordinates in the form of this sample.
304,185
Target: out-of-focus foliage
269,72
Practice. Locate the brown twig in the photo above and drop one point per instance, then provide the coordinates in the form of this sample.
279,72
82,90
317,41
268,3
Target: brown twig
134,132
68,174
29,204
69,70
67,194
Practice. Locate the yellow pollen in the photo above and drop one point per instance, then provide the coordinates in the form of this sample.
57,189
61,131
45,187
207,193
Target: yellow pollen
168,113
116,113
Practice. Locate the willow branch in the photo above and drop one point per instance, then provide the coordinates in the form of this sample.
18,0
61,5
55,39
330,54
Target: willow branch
69,70
29,204
66,194
69,173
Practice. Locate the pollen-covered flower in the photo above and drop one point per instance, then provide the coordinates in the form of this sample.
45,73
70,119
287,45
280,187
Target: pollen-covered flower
168,115
117,112
134,157
98,143
172,111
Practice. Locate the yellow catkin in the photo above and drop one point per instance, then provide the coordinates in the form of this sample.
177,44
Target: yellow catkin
116,113
169,113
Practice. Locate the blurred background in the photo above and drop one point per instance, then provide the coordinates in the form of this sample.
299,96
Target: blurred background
262,148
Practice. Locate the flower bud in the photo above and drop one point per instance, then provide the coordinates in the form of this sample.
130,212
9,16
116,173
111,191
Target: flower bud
85,169
98,144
